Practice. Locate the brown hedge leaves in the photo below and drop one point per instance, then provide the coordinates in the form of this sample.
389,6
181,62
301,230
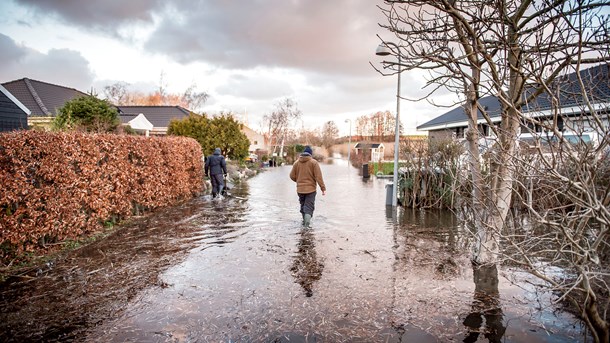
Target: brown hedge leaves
58,186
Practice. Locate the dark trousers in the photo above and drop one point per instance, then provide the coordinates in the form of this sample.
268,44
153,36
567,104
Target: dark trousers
217,183
308,202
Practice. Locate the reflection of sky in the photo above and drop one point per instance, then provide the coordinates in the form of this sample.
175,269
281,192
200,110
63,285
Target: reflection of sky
250,277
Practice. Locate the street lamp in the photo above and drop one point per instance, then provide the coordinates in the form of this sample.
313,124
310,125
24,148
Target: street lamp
384,50
349,144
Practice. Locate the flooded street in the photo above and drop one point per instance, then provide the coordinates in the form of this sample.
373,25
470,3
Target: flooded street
243,269
254,274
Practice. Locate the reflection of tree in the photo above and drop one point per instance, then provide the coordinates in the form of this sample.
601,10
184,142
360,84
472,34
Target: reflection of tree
306,268
485,306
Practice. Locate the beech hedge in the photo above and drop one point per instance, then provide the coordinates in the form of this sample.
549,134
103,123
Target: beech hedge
58,186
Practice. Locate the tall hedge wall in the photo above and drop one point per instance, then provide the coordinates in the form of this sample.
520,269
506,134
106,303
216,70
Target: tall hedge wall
58,186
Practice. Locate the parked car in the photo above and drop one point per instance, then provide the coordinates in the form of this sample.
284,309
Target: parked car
253,158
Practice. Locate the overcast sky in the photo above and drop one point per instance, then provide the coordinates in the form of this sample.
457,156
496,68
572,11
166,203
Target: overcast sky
247,55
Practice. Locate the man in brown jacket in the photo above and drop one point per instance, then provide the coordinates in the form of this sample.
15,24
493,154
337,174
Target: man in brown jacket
307,174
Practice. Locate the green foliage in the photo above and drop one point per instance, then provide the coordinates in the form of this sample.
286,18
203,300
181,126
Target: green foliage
88,113
222,132
299,148
293,152
386,168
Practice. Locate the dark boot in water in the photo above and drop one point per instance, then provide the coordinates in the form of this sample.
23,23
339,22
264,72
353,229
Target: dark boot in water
306,220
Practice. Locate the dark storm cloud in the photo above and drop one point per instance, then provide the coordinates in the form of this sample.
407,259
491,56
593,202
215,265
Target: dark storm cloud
9,51
327,36
60,66
319,36
107,15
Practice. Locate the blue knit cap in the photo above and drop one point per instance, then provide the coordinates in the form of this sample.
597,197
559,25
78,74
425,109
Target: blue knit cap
308,150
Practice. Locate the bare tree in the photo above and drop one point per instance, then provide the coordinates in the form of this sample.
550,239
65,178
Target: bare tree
119,94
330,131
513,50
116,92
279,122
308,137
193,99
562,178
377,126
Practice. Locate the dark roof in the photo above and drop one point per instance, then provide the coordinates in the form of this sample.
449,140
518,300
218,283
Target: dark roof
457,115
159,116
569,91
595,79
125,118
13,115
362,145
42,98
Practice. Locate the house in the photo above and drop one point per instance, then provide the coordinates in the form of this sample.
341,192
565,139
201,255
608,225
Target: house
158,116
41,98
13,114
257,140
572,108
376,150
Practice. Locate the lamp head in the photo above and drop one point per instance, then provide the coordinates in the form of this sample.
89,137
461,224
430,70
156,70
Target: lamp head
383,50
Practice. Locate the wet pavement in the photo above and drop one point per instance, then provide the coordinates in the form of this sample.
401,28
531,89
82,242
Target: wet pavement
242,269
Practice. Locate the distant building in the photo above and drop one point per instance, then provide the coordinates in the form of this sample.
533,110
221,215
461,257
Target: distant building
13,114
376,150
257,140
158,116
572,108
41,98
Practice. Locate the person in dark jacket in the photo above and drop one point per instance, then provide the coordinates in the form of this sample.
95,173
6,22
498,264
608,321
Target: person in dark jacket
216,169
308,176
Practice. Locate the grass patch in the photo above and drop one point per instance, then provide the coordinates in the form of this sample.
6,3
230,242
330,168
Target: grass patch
386,168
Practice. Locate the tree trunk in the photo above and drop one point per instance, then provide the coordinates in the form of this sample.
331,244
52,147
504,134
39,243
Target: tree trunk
602,334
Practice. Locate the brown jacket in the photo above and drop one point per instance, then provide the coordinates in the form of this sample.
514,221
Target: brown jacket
307,174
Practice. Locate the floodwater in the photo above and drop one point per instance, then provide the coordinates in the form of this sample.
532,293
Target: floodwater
242,269
361,273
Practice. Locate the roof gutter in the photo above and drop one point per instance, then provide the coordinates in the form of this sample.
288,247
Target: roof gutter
531,114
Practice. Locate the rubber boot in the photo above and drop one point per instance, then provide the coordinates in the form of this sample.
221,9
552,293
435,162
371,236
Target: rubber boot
220,189
306,220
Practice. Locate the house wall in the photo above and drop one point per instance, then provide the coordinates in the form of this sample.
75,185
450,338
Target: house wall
441,134
40,122
11,116
257,141
585,123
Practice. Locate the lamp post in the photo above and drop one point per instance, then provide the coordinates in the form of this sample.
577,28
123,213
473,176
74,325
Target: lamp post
384,50
349,144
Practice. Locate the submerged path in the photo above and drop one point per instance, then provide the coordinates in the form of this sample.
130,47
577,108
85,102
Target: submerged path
244,270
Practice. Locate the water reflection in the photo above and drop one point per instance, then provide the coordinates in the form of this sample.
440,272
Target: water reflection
388,274
306,268
486,316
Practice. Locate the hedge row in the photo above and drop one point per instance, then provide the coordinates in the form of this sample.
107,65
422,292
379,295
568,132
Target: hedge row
58,186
